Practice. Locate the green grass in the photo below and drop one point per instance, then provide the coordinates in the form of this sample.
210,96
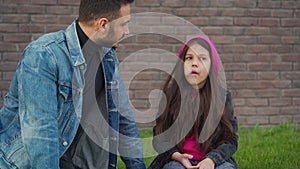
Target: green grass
274,148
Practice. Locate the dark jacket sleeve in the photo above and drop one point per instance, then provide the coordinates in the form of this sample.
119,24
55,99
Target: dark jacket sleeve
225,151
161,145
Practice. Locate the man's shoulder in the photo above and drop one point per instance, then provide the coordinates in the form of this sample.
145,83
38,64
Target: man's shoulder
49,38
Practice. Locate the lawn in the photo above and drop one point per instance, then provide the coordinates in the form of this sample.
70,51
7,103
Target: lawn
274,148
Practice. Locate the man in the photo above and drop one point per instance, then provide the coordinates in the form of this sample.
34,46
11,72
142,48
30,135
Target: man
49,118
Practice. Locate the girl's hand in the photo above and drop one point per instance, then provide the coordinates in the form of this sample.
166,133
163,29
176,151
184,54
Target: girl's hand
184,160
206,164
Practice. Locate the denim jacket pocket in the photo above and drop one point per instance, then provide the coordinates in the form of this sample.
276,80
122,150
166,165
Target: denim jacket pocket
65,91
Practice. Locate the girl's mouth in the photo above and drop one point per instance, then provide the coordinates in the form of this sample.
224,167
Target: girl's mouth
194,73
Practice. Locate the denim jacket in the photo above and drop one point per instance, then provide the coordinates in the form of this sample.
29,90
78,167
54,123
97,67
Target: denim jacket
223,153
43,107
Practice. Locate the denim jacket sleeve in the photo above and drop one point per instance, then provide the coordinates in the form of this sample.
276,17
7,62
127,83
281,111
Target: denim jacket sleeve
38,107
225,151
130,143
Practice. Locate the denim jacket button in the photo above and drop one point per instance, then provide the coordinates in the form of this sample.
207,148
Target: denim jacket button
65,143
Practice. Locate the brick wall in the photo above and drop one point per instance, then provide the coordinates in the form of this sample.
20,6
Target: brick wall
258,42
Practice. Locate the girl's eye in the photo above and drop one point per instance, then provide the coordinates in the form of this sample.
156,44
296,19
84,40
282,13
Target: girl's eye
188,57
203,58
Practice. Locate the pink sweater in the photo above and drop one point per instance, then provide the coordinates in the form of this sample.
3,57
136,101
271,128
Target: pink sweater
189,148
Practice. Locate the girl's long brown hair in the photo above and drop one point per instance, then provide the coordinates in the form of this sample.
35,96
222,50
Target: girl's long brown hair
178,91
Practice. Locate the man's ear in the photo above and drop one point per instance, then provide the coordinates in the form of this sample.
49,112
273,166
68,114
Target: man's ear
102,24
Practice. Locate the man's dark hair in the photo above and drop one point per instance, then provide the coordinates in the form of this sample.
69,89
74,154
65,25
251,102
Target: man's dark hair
90,10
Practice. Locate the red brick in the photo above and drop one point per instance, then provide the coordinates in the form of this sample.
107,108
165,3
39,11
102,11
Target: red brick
58,10
32,9
8,66
281,102
213,30
234,66
172,3
183,11
4,85
296,84
8,76
257,31
296,119
32,28
68,19
268,111
48,2
290,75
258,120
266,57
197,3
283,13
222,39
55,27
161,9
211,12
222,3
11,56
201,21
267,75
245,21
258,66
245,4
269,40
8,27
291,93
281,119
257,102
147,3
290,57
15,1
16,38
140,104
235,49
282,66
7,47
291,4
245,111
256,85
245,40
268,93
296,101
296,66
44,19
290,110
290,22
227,58
221,21
239,102
269,4
290,40
281,48
244,76
234,31
281,84
258,48
259,13
281,31
69,2
271,22
9,8
15,18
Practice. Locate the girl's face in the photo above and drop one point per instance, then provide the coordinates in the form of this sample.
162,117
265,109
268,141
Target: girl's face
197,64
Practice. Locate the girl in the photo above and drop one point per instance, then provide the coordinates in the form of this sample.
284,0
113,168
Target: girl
197,127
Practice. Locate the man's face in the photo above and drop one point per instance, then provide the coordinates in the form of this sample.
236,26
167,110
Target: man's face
118,28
